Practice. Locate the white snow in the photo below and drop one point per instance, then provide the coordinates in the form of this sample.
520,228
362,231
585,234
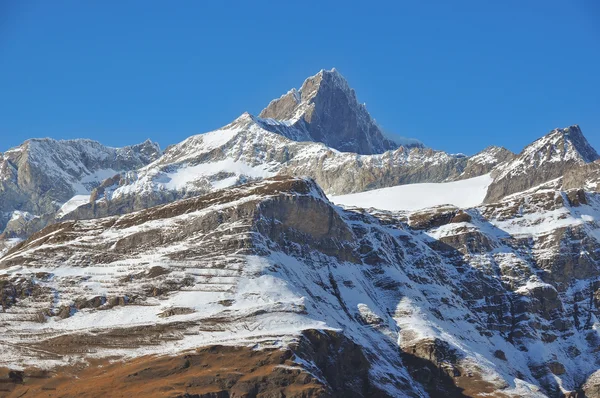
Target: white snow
188,174
216,139
21,215
463,193
72,204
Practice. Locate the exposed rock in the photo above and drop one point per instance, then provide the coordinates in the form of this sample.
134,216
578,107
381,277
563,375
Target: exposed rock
577,197
556,368
546,159
326,110
470,296
500,355
40,175
433,217
591,388
586,176
176,311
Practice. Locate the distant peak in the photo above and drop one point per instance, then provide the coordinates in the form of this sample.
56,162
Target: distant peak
243,118
570,140
573,130
147,145
325,109
294,104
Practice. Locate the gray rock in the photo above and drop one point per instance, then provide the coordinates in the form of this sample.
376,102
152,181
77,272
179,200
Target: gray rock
546,159
326,110
37,177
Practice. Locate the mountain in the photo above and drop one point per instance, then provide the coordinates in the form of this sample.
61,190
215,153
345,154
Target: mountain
545,159
299,253
325,109
41,175
248,149
499,299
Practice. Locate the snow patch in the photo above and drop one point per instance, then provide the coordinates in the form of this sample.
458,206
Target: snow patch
72,204
463,193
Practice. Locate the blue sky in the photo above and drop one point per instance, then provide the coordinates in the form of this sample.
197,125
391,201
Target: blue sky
457,75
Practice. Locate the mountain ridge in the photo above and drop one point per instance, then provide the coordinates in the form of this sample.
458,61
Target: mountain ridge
222,267
547,158
40,175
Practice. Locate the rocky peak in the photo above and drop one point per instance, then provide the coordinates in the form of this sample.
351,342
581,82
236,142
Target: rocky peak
80,153
543,160
482,162
562,144
147,151
326,109
293,105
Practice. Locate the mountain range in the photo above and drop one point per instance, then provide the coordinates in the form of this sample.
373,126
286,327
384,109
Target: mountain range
300,253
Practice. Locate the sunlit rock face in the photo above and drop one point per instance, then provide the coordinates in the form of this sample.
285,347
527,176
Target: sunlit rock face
498,299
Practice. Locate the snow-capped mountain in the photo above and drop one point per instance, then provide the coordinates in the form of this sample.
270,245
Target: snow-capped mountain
325,109
299,253
543,160
41,175
248,149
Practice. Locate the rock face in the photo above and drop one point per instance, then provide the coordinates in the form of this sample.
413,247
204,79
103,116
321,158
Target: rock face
497,300
546,159
586,176
326,110
341,174
591,388
39,176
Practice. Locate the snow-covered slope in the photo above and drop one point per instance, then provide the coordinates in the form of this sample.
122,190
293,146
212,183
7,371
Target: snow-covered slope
484,298
462,193
247,150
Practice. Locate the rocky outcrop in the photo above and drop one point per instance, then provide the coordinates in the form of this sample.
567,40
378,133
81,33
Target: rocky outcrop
586,177
341,174
486,160
591,388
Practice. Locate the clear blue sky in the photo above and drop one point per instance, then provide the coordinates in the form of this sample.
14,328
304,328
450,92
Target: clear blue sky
458,75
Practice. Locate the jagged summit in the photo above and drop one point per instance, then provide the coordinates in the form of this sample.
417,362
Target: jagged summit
89,151
325,109
568,142
299,100
543,160
560,145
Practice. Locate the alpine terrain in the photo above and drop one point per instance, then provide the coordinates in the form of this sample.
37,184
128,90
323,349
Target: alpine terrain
300,252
